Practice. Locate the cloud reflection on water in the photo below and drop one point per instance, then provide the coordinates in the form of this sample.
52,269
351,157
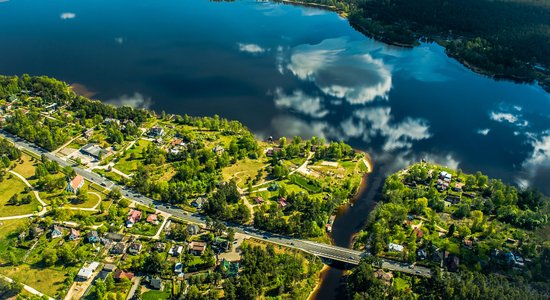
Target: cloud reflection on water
340,69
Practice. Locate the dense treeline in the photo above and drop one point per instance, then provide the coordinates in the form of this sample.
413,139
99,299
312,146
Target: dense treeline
47,133
268,274
8,153
501,38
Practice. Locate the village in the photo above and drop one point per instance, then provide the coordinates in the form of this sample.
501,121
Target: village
78,232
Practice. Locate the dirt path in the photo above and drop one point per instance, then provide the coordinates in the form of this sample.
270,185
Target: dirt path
28,288
36,194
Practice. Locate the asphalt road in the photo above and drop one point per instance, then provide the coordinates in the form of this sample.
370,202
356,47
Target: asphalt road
322,250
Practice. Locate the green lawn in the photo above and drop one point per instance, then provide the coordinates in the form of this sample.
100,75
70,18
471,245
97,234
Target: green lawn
242,170
8,235
27,168
45,280
127,165
155,295
8,188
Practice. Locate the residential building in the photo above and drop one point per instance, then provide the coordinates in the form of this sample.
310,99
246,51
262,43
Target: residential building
157,283
95,151
36,231
159,247
56,232
156,131
282,202
75,234
395,247
134,216
75,184
152,219
117,237
119,275
259,200
197,248
118,248
199,202
228,268
134,248
218,149
193,229
92,236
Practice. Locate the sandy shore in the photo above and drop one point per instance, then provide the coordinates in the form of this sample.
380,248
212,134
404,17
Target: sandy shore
319,282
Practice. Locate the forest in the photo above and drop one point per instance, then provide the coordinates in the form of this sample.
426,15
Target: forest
504,39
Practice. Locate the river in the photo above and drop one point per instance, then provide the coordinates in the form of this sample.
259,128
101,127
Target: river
287,70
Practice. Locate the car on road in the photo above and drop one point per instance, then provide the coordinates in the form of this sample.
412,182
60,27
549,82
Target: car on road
266,237
418,272
350,257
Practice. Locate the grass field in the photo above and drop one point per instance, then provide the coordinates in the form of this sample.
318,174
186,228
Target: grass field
48,280
242,170
8,234
125,164
155,295
8,188
27,168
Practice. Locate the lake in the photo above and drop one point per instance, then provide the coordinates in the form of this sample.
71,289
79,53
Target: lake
287,70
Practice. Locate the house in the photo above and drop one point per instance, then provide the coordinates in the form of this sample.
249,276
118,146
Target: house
199,202
269,152
75,234
92,236
176,250
117,237
111,120
468,243
395,247
22,236
158,247
134,216
156,132
75,184
178,268
120,275
273,187
421,254
36,231
458,187
95,151
218,149
386,277
282,202
229,269
118,248
197,248
134,248
177,143
193,229
152,219
56,232
259,200
84,274
109,267
157,283
418,232
88,133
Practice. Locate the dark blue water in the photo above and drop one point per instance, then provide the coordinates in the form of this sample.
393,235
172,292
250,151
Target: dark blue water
286,70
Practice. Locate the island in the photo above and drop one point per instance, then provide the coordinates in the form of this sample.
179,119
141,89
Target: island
105,202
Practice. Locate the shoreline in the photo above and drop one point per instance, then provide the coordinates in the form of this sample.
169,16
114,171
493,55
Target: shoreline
322,275
476,69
